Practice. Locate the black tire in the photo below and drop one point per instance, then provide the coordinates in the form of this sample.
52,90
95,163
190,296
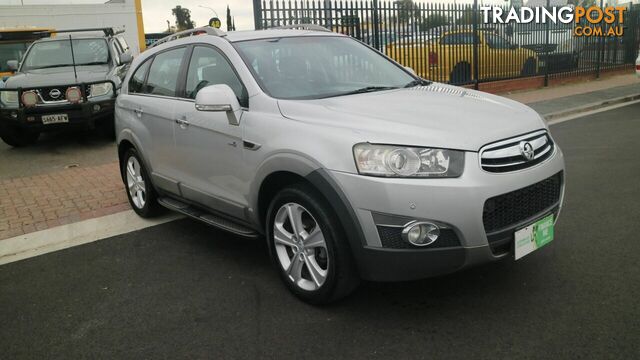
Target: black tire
529,68
107,127
341,274
16,136
150,206
461,74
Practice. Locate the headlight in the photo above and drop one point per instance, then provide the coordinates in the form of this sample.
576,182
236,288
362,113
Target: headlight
399,161
9,99
101,89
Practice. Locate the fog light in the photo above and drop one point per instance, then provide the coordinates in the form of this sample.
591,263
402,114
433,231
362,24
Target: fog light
421,233
31,118
29,98
73,95
96,108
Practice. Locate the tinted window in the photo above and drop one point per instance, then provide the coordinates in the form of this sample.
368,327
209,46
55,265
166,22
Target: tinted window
137,80
163,74
497,42
458,39
209,67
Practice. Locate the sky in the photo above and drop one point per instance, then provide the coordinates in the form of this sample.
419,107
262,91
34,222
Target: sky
157,12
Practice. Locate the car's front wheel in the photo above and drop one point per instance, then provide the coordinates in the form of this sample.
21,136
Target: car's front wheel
142,196
16,136
308,246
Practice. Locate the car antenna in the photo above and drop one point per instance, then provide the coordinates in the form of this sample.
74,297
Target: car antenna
73,60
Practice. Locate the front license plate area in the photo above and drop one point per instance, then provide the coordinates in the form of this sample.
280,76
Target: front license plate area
55,119
533,237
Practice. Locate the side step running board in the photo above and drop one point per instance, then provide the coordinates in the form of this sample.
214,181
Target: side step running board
208,218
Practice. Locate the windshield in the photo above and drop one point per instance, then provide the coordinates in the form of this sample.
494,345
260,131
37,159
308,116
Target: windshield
11,51
57,53
318,67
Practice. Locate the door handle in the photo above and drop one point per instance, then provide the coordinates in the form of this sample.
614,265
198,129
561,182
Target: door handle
182,121
138,112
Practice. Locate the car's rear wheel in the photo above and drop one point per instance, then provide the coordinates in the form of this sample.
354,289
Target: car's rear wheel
16,136
308,246
142,196
529,67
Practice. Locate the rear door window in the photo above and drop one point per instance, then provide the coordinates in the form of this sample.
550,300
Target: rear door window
163,74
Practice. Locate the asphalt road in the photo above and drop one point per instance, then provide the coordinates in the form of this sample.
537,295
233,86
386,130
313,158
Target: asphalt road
183,290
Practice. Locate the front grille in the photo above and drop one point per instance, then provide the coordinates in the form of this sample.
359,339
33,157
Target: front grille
511,154
513,208
45,93
391,237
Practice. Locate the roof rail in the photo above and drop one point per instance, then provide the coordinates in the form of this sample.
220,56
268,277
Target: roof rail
312,27
191,32
108,31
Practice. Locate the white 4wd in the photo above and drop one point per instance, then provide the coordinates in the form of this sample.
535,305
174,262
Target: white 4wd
347,164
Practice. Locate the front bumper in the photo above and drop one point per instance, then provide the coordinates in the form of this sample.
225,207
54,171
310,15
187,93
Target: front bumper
458,202
80,115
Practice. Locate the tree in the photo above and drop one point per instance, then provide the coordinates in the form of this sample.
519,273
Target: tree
406,10
229,24
434,21
183,18
467,17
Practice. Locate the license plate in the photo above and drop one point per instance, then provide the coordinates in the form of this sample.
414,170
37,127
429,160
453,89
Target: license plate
55,119
534,236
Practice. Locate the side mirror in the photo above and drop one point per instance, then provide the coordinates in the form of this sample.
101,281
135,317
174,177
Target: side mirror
410,69
12,65
219,98
126,58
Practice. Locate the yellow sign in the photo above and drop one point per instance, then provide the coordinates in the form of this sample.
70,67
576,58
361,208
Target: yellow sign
215,22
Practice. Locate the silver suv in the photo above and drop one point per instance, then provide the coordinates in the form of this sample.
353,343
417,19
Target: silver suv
347,163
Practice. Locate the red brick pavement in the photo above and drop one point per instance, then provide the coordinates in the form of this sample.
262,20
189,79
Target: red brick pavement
40,202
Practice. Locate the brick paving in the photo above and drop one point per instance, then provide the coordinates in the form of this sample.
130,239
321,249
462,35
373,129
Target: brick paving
39,202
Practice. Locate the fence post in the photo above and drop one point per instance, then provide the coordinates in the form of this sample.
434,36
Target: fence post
376,32
546,49
257,14
600,47
476,66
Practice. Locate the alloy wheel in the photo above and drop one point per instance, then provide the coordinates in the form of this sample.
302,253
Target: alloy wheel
135,183
300,247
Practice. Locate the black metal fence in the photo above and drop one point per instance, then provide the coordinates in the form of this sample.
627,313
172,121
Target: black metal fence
452,43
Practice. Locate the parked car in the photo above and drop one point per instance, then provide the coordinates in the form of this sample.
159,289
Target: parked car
638,65
349,166
449,57
68,81
559,51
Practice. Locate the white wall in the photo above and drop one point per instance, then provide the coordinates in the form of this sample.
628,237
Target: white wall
61,17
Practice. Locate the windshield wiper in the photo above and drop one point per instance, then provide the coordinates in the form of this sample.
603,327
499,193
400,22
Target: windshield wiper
368,89
419,82
51,66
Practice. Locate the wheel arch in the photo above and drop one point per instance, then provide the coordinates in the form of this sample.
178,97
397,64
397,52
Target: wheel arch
127,140
322,181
